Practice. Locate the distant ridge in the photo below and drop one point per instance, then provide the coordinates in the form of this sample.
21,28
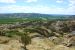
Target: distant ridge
35,15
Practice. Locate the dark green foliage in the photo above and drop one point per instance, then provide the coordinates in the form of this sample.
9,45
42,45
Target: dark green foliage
41,30
2,33
65,28
44,31
11,33
25,40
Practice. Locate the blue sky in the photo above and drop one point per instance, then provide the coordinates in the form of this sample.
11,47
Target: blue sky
38,6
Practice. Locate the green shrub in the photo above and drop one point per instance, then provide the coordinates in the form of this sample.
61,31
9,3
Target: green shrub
11,33
25,40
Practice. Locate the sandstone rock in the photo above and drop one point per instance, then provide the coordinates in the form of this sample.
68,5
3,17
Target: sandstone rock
69,40
12,45
60,47
55,40
4,39
40,44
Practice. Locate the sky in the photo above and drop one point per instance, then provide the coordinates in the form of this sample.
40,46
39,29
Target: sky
38,6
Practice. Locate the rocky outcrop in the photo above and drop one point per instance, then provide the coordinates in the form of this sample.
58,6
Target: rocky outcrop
40,44
62,47
7,44
69,40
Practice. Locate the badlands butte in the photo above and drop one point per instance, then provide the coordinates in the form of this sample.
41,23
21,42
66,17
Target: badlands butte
37,32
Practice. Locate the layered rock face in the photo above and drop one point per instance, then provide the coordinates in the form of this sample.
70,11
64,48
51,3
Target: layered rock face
52,43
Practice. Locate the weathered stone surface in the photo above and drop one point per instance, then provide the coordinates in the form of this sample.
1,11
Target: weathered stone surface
40,44
60,47
4,39
10,45
69,40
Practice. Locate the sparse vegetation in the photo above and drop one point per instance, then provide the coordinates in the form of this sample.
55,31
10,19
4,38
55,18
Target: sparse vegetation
53,32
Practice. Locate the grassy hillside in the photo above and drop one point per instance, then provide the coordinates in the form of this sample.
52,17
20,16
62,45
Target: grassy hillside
23,17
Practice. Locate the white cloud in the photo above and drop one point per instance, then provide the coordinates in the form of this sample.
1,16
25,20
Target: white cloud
7,1
29,1
36,9
71,2
71,7
59,1
29,9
